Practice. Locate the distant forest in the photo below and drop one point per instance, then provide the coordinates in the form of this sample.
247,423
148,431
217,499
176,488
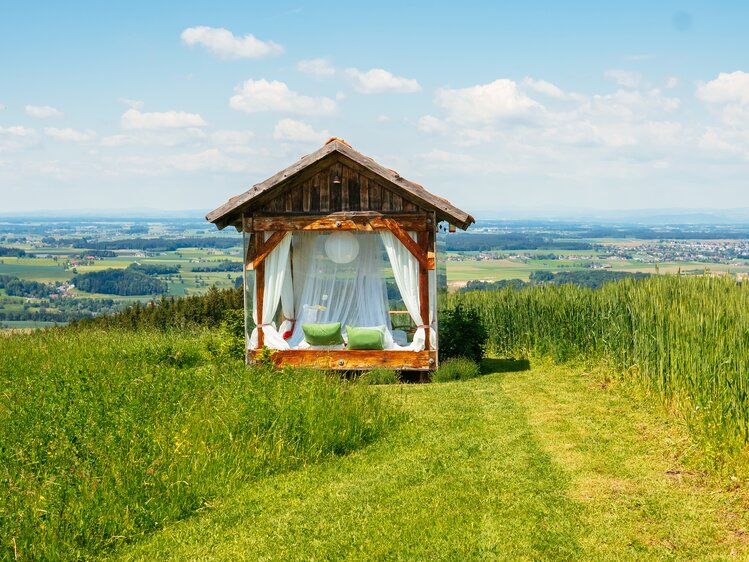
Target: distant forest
11,252
123,282
16,287
480,242
221,266
158,244
593,279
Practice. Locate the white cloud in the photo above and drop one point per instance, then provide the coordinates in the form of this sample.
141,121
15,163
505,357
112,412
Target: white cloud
383,119
2,107
42,111
135,119
223,43
319,68
431,124
290,130
543,87
232,138
378,80
672,82
483,103
17,137
69,135
730,87
133,104
625,78
256,96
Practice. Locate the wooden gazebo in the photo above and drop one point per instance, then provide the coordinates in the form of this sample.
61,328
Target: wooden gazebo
337,189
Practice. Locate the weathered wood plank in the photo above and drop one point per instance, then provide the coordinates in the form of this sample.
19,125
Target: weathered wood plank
352,359
354,194
363,194
335,188
307,196
344,188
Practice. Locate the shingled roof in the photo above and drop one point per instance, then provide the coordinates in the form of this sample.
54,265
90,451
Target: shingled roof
231,211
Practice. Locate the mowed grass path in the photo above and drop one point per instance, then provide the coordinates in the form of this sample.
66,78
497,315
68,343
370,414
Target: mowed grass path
545,464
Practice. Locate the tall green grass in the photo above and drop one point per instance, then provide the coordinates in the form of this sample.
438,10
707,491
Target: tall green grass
106,436
687,338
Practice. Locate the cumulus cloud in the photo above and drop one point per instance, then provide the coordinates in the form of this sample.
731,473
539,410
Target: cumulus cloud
672,82
69,135
133,104
543,87
501,99
224,44
42,111
728,87
319,68
258,96
135,119
378,80
625,78
290,130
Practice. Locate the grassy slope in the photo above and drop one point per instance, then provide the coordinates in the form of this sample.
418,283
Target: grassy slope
542,464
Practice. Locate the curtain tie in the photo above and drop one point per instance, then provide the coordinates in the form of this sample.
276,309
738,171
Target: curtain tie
264,325
422,326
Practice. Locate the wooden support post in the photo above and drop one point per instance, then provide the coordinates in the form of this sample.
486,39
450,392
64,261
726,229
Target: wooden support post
259,289
423,241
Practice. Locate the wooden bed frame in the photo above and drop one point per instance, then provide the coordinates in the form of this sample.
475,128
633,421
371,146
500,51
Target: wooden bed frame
354,360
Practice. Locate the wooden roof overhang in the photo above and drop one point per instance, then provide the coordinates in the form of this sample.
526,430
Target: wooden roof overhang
332,152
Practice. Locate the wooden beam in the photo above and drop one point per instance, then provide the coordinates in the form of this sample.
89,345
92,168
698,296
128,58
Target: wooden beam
352,220
418,251
259,293
266,247
423,238
352,360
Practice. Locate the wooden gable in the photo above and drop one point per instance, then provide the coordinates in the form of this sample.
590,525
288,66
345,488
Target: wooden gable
320,193
310,186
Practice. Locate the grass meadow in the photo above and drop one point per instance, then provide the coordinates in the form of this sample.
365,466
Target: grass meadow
108,436
685,338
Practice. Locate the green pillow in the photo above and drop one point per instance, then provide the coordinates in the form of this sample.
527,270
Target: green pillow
365,338
322,334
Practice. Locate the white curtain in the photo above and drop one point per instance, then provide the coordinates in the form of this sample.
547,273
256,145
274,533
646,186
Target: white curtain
406,272
276,271
352,293
287,300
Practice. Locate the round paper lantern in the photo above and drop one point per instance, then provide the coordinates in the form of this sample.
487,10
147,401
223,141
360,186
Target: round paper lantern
342,247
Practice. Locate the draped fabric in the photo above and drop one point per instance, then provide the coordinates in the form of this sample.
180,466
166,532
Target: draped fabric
352,293
406,273
276,270
321,291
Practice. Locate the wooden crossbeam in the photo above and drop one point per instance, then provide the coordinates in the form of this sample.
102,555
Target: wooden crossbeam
352,220
263,249
412,246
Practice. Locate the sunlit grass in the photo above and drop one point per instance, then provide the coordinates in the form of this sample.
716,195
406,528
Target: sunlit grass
107,436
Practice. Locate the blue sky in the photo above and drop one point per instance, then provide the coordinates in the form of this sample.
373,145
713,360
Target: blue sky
499,106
